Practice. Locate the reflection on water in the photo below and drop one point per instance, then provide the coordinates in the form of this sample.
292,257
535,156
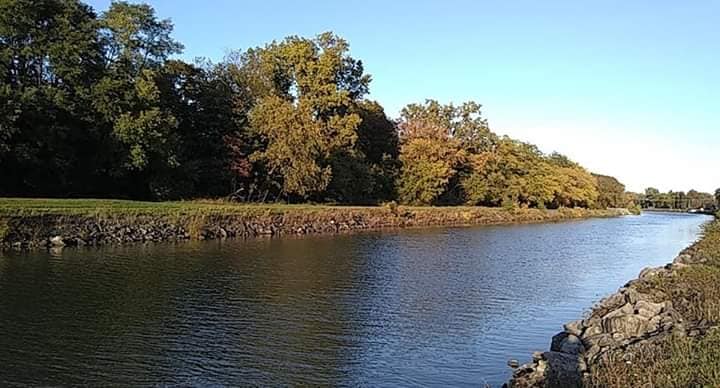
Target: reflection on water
411,307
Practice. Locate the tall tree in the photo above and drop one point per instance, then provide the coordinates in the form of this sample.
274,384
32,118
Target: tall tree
306,90
436,142
50,56
129,97
611,191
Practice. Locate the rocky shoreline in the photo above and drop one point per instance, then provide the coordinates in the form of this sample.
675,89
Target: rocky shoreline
56,229
638,316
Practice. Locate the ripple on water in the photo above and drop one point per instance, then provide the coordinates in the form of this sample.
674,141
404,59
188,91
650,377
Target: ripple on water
401,308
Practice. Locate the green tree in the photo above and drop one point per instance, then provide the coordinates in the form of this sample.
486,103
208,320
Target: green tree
611,193
436,143
129,96
50,56
367,172
304,113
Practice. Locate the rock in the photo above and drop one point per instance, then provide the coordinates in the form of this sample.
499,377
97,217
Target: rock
632,296
612,302
537,356
575,327
593,330
563,370
572,345
599,341
649,272
557,340
591,321
682,258
513,363
592,352
57,241
619,322
648,309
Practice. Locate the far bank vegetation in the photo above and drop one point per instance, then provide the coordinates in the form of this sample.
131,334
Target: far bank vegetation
95,103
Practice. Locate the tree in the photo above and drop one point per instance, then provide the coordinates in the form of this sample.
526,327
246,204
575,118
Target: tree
135,38
129,96
611,193
50,56
367,172
304,113
436,141
463,123
201,98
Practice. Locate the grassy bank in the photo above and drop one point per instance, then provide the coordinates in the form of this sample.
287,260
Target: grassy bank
34,222
682,359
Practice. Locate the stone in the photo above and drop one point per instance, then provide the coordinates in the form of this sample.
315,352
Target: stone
557,340
613,301
648,309
633,296
574,327
683,258
625,324
591,321
512,363
592,352
651,271
563,370
599,340
57,241
593,330
537,356
572,345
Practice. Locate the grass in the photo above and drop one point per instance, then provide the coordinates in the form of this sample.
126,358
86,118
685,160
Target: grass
677,361
93,207
674,362
40,206
39,218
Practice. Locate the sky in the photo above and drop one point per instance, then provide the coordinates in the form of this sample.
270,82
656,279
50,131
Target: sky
625,88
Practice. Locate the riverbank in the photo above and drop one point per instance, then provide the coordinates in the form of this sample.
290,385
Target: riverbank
659,330
35,223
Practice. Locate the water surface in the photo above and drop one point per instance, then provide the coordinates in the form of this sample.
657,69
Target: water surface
423,307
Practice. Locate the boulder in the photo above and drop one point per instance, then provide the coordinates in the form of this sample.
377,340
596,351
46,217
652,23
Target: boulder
650,272
557,340
627,325
593,330
599,340
57,241
648,309
610,303
572,345
563,370
575,327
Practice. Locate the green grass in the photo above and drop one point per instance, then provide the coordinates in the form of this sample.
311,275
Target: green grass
673,362
40,206
677,361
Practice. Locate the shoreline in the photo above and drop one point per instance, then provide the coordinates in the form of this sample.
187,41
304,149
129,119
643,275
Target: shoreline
629,328
33,224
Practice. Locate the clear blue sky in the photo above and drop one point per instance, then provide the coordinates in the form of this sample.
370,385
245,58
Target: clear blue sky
627,88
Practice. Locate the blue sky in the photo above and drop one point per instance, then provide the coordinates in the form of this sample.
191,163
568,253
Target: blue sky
626,88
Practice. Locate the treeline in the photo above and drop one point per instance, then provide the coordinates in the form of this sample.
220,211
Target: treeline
93,106
652,198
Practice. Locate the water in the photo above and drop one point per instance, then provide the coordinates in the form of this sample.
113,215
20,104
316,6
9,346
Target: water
430,307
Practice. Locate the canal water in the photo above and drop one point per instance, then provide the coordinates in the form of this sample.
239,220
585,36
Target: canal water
421,307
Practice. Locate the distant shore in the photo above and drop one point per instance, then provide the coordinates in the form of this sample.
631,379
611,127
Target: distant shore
40,223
